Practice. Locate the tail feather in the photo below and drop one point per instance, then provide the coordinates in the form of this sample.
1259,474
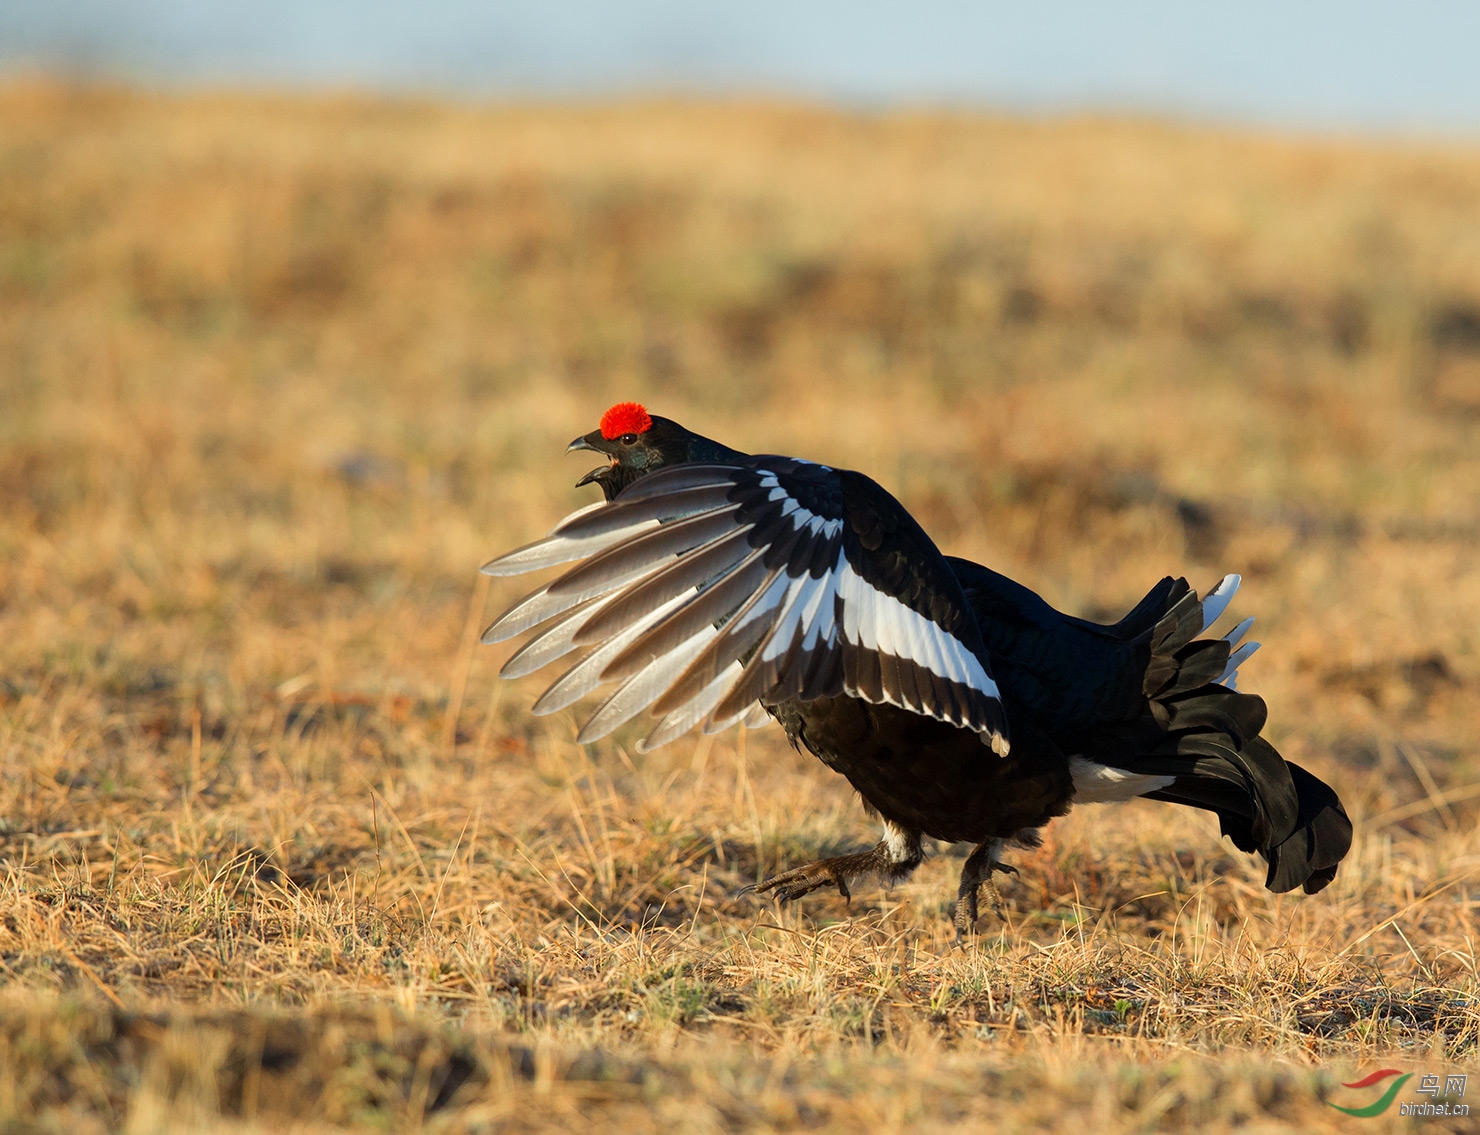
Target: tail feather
1229,677
1149,611
1266,816
1181,622
1302,849
1218,599
1198,664
1236,636
1240,716
1321,837
1198,744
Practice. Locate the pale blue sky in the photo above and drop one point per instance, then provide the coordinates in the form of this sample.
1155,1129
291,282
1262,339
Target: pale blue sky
1354,65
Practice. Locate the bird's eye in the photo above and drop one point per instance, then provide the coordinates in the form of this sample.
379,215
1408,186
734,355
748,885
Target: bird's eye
629,439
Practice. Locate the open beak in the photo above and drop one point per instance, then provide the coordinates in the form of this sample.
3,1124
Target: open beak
584,443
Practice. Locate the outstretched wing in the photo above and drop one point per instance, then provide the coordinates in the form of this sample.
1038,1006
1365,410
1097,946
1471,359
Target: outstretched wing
706,591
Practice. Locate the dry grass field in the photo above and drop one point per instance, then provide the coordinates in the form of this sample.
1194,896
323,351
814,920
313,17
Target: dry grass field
280,853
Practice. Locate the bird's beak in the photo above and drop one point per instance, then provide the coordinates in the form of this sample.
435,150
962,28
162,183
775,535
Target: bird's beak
586,443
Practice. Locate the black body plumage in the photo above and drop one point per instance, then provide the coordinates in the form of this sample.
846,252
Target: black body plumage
715,586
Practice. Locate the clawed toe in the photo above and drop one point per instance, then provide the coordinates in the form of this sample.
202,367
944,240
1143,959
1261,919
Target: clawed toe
966,915
792,885
994,898
968,912
977,876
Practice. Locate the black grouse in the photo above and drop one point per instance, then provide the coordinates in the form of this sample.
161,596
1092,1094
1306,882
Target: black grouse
715,587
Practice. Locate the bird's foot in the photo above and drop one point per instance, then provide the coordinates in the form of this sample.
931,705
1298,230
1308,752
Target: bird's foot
967,910
791,885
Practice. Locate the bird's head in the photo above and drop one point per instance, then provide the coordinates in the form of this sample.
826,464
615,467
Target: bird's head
636,444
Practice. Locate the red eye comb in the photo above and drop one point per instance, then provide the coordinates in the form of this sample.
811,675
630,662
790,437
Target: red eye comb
625,418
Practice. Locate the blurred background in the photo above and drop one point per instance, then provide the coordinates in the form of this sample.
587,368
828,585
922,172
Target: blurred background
1362,65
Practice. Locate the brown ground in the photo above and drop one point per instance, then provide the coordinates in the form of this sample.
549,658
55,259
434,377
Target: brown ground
277,374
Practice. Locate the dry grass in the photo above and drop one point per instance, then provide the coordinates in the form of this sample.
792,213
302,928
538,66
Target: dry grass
276,375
